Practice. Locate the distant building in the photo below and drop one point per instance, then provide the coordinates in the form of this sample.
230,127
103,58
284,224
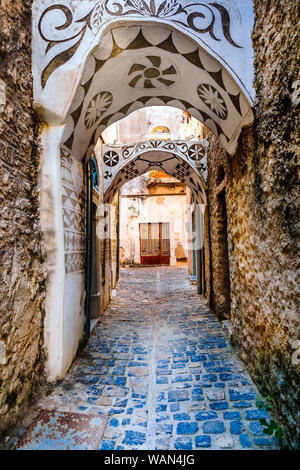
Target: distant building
152,221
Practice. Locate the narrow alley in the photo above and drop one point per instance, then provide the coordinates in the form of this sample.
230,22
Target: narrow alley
157,373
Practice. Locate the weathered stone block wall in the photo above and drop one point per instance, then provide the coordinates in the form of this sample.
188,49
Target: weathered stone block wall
261,196
22,273
220,286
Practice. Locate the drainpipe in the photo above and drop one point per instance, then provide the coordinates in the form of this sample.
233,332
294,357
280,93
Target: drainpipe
199,243
118,241
88,252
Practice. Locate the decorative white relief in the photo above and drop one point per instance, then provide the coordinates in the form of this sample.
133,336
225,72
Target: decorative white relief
73,201
194,56
184,160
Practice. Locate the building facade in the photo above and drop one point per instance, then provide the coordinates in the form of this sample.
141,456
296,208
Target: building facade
153,221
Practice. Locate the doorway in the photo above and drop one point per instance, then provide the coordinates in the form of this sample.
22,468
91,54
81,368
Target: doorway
155,243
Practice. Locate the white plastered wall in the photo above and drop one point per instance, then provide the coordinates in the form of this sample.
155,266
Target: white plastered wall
135,210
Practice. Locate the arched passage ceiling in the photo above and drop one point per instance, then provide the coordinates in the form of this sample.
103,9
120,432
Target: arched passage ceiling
144,66
184,160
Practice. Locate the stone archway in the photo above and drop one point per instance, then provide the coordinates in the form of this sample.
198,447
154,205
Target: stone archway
196,57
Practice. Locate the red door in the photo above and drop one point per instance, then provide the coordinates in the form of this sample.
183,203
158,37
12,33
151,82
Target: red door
154,243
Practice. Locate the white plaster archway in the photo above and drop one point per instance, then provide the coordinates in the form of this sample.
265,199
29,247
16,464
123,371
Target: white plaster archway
66,32
95,62
184,160
134,67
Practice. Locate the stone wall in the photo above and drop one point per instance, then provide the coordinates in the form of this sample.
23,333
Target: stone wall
261,197
22,273
219,289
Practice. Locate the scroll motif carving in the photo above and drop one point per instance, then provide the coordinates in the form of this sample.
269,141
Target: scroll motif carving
201,19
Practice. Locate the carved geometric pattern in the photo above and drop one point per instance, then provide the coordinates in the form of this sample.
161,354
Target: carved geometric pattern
110,158
130,171
213,100
196,152
98,105
73,202
152,72
107,175
74,262
154,66
182,170
176,158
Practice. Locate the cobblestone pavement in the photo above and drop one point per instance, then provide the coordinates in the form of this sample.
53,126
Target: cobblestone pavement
159,368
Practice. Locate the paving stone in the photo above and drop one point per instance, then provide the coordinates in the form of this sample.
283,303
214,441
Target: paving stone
113,422
209,378
163,366
181,417
183,444
197,394
164,428
219,385
219,405
187,427
179,360
215,395
240,394
174,406
256,428
262,441
245,441
232,415
179,365
162,380
138,371
107,445
182,378
206,415
243,404
257,414
199,358
134,438
203,441
162,444
161,372
224,442
115,411
161,408
213,427
236,427
177,395
118,371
